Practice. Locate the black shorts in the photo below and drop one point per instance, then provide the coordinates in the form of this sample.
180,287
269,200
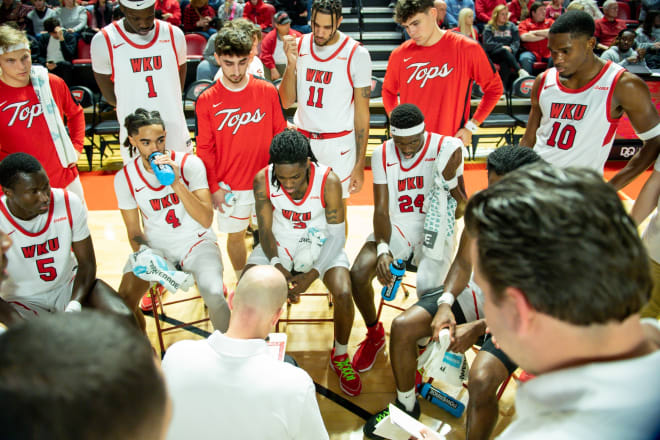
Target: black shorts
489,347
429,302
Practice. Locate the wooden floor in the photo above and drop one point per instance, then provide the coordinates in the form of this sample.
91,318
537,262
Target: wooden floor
309,344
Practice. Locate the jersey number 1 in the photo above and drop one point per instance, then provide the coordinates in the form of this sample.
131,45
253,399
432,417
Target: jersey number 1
150,84
315,93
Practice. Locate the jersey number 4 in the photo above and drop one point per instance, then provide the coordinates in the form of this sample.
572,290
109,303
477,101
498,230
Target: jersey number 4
172,219
46,272
563,138
315,97
406,203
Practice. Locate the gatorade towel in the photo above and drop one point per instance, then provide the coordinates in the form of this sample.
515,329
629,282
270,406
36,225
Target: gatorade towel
447,366
151,266
440,208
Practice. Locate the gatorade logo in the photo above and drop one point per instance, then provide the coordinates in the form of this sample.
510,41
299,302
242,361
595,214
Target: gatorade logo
441,397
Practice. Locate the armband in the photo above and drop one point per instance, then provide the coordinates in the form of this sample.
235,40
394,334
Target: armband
469,125
382,248
453,182
649,134
446,298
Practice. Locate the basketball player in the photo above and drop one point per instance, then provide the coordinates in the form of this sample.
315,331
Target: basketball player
177,218
51,263
403,175
577,104
435,69
448,307
294,194
22,114
255,66
330,75
237,118
141,62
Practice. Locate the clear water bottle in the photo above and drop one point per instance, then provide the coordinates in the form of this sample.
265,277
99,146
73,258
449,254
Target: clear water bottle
164,172
398,269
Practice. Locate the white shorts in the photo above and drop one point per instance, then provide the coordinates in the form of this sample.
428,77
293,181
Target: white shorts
51,301
339,154
201,255
404,242
285,255
240,216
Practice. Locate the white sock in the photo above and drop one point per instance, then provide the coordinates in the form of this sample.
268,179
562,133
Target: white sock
340,348
407,398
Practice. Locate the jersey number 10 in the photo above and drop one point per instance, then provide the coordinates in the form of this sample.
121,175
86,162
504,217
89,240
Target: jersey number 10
563,138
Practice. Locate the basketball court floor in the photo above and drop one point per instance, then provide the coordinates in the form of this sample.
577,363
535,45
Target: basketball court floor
309,344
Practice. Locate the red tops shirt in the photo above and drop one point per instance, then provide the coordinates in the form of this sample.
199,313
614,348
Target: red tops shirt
606,31
235,129
438,80
25,130
538,48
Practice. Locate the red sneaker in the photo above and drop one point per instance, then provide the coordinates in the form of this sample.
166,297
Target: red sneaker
349,380
145,302
365,356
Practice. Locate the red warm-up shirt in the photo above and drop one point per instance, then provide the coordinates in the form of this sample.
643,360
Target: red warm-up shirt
438,80
25,130
235,129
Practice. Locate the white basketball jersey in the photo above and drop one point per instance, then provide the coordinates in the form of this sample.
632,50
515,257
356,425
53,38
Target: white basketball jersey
325,87
292,218
40,261
147,76
409,184
166,222
576,129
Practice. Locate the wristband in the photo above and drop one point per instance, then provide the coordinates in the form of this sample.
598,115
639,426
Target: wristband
382,248
446,298
453,182
649,134
275,261
73,307
471,126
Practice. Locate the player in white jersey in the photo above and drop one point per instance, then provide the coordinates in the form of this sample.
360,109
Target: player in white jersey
177,218
140,62
403,173
302,233
330,74
51,263
577,104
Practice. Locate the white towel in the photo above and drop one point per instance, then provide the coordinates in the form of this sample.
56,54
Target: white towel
150,266
65,150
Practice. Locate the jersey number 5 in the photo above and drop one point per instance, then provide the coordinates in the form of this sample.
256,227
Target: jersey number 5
150,85
566,137
315,93
46,273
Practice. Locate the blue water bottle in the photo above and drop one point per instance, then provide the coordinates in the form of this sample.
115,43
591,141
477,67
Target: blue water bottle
164,173
442,400
398,269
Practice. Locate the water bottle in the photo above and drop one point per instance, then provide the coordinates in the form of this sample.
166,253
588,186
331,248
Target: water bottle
230,199
164,172
398,269
442,400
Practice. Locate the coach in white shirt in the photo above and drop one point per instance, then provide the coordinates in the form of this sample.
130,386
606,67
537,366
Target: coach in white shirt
228,386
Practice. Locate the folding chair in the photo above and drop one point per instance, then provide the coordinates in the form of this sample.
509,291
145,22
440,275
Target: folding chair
192,92
85,98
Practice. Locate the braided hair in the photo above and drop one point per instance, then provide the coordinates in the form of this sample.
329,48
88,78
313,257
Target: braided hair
138,119
289,147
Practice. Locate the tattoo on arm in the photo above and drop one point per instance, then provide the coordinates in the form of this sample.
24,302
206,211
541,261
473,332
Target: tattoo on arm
331,216
139,239
365,92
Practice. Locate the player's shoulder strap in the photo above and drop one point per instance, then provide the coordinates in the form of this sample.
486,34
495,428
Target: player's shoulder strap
356,44
384,156
184,158
108,43
324,179
67,205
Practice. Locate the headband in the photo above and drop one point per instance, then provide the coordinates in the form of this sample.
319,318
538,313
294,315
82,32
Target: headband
417,129
137,4
19,46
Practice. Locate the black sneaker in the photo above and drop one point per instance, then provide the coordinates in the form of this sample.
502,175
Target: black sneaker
370,426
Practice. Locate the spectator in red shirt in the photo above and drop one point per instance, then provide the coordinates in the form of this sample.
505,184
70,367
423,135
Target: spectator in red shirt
272,47
198,17
465,24
519,12
260,13
554,9
485,11
170,11
608,27
534,37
